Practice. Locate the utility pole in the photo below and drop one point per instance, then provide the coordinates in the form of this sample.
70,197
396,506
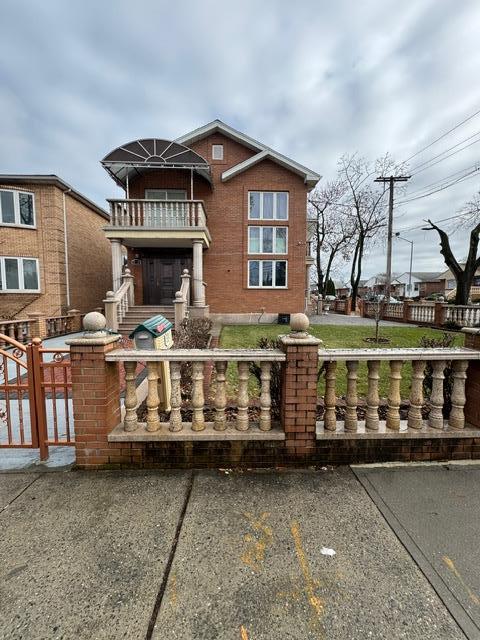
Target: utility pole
391,181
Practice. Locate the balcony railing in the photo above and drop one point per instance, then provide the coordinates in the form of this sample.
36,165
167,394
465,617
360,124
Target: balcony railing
157,214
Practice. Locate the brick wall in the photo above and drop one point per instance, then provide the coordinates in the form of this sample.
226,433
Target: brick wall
225,262
89,254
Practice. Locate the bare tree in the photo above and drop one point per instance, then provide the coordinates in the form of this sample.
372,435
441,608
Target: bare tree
365,206
463,273
327,225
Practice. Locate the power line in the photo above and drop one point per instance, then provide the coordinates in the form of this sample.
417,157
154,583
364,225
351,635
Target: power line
446,157
442,188
475,135
442,180
444,135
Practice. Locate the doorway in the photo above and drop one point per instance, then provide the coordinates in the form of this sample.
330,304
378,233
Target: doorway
162,275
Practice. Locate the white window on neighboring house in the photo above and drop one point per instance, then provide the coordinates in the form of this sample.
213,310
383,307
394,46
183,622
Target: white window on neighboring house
267,274
267,240
19,275
450,284
268,205
217,151
17,208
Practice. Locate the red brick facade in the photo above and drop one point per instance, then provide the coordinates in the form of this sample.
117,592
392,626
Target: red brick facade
226,204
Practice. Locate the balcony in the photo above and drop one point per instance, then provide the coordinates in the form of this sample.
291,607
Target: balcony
134,220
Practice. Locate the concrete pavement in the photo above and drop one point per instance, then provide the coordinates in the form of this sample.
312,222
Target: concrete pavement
206,555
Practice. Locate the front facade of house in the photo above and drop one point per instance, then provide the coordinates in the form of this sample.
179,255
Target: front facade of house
53,253
223,206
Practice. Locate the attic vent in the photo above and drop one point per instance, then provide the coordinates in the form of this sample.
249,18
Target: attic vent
217,151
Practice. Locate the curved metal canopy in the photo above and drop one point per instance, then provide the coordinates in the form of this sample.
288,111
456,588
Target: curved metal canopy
134,157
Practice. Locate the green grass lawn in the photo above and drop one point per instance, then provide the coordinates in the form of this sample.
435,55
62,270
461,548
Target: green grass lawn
335,337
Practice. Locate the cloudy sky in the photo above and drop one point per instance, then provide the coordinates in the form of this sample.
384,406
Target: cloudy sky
313,79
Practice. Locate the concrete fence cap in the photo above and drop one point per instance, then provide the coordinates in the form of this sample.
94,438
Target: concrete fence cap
94,322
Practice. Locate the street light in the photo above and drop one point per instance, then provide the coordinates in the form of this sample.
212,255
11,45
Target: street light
397,234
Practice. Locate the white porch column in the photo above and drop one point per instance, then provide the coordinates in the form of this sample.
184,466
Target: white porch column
198,288
117,262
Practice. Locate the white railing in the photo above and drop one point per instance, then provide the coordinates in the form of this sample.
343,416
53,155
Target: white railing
237,421
463,315
157,214
393,310
182,300
419,406
422,313
118,302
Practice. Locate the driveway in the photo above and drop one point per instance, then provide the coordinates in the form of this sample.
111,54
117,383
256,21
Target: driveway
211,555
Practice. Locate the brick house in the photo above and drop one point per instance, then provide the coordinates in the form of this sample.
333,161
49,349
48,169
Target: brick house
53,252
222,205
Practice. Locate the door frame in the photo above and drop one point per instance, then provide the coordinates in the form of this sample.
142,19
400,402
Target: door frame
183,254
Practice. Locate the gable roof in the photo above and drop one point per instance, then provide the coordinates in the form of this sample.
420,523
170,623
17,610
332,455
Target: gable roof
424,276
20,179
263,152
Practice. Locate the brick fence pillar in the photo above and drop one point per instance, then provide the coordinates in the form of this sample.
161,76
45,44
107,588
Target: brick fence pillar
472,383
299,387
95,394
439,318
38,325
406,310
348,306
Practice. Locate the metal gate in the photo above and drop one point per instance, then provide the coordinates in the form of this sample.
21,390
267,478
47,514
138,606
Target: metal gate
35,396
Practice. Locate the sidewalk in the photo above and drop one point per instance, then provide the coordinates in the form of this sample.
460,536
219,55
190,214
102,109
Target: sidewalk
206,555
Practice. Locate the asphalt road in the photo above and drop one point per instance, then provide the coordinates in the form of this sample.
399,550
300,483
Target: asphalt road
208,555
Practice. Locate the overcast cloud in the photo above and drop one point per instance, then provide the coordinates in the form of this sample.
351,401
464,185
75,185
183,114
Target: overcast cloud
311,79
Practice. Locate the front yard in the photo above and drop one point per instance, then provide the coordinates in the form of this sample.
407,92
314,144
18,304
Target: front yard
335,337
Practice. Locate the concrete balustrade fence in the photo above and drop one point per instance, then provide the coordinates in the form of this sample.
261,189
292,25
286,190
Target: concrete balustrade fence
127,415
424,313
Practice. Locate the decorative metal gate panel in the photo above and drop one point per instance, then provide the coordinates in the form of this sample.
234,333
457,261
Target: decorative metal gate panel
35,396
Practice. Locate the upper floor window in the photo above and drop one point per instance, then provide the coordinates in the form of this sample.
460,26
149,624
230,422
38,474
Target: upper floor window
19,275
268,205
165,194
17,208
267,239
217,151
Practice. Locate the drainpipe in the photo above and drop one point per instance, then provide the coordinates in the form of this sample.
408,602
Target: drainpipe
65,240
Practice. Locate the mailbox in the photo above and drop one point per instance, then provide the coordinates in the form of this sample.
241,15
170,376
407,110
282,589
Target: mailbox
156,334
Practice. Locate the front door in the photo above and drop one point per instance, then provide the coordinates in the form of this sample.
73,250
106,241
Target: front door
162,277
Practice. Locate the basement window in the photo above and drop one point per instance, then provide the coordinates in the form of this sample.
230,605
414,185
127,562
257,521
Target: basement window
217,151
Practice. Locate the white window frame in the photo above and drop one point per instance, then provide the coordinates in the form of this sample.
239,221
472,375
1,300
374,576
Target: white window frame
273,252
21,280
217,148
16,208
275,193
167,191
260,275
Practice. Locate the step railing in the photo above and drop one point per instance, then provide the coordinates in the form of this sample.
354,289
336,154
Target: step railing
157,214
117,303
200,360
19,330
397,359
182,300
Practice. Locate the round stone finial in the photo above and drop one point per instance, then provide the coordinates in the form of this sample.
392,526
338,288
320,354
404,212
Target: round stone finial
94,322
299,323
178,295
127,272
110,294
185,272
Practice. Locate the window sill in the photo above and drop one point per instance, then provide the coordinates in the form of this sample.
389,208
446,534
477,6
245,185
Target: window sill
13,225
17,291
274,288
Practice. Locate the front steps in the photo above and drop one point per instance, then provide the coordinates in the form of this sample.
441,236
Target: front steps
138,314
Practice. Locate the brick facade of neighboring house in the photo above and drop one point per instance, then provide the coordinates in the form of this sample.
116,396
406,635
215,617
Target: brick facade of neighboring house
43,244
226,253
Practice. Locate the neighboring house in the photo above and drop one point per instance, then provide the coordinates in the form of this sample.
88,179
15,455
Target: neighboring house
221,204
422,284
53,252
449,284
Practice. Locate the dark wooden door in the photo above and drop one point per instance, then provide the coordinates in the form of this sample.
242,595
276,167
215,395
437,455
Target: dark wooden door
162,277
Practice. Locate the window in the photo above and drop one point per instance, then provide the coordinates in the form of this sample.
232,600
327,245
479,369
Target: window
450,284
165,194
19,274
267,273
267,240
217,151
17,208
268,205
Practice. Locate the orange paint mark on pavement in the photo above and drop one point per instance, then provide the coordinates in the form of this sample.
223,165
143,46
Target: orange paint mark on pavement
243,633
450,565
254,554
